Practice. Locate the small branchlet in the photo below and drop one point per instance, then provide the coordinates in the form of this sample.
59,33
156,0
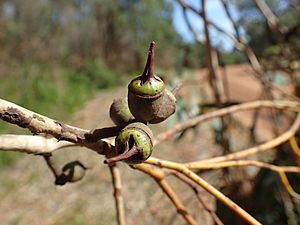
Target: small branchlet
71,172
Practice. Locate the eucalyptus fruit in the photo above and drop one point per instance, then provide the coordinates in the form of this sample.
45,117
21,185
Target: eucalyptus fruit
119,112
133,144
71,172
148,100
74,171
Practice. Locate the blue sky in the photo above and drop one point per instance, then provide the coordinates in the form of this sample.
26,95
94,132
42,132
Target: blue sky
214,12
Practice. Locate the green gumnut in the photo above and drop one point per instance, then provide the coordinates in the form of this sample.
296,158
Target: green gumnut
136,135
119,111
152,87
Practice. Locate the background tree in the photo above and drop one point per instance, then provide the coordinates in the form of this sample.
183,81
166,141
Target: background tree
281,47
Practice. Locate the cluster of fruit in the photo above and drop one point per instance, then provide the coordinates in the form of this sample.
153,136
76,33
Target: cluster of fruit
148,102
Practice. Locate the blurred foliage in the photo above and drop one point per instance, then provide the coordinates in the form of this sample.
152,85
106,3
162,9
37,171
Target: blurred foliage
233,57
7,159
74,31
193,56
54,90
275,51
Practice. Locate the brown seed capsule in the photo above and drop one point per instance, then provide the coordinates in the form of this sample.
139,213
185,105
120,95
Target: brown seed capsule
74,171
71,172
119,112
167,108
145,92
133,144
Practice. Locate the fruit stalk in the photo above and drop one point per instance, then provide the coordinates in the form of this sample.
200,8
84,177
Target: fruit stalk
129,152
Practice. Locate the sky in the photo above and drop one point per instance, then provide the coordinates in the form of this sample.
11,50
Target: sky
214,12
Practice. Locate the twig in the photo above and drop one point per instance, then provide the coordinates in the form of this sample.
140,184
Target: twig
237,163
39,124
208,50
270,16
238,43
272,19
241,45
69,173
206,186
288,105
119,201
225,83
255,120
158,176
234,24
193,186
259,148
254,62
289,208
270,85
31,144
236,39
197,37
295,148
177,88
185,5
213,80
52,165
286,184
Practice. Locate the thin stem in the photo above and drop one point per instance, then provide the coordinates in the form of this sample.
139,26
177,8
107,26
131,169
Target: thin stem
129,152
176,89
148,71
151,53
119,201
158,176
213,81
52,166
194,188
286,184
259,148
272,19
269,84
295,148
229,15
206,186
287,105
237,163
